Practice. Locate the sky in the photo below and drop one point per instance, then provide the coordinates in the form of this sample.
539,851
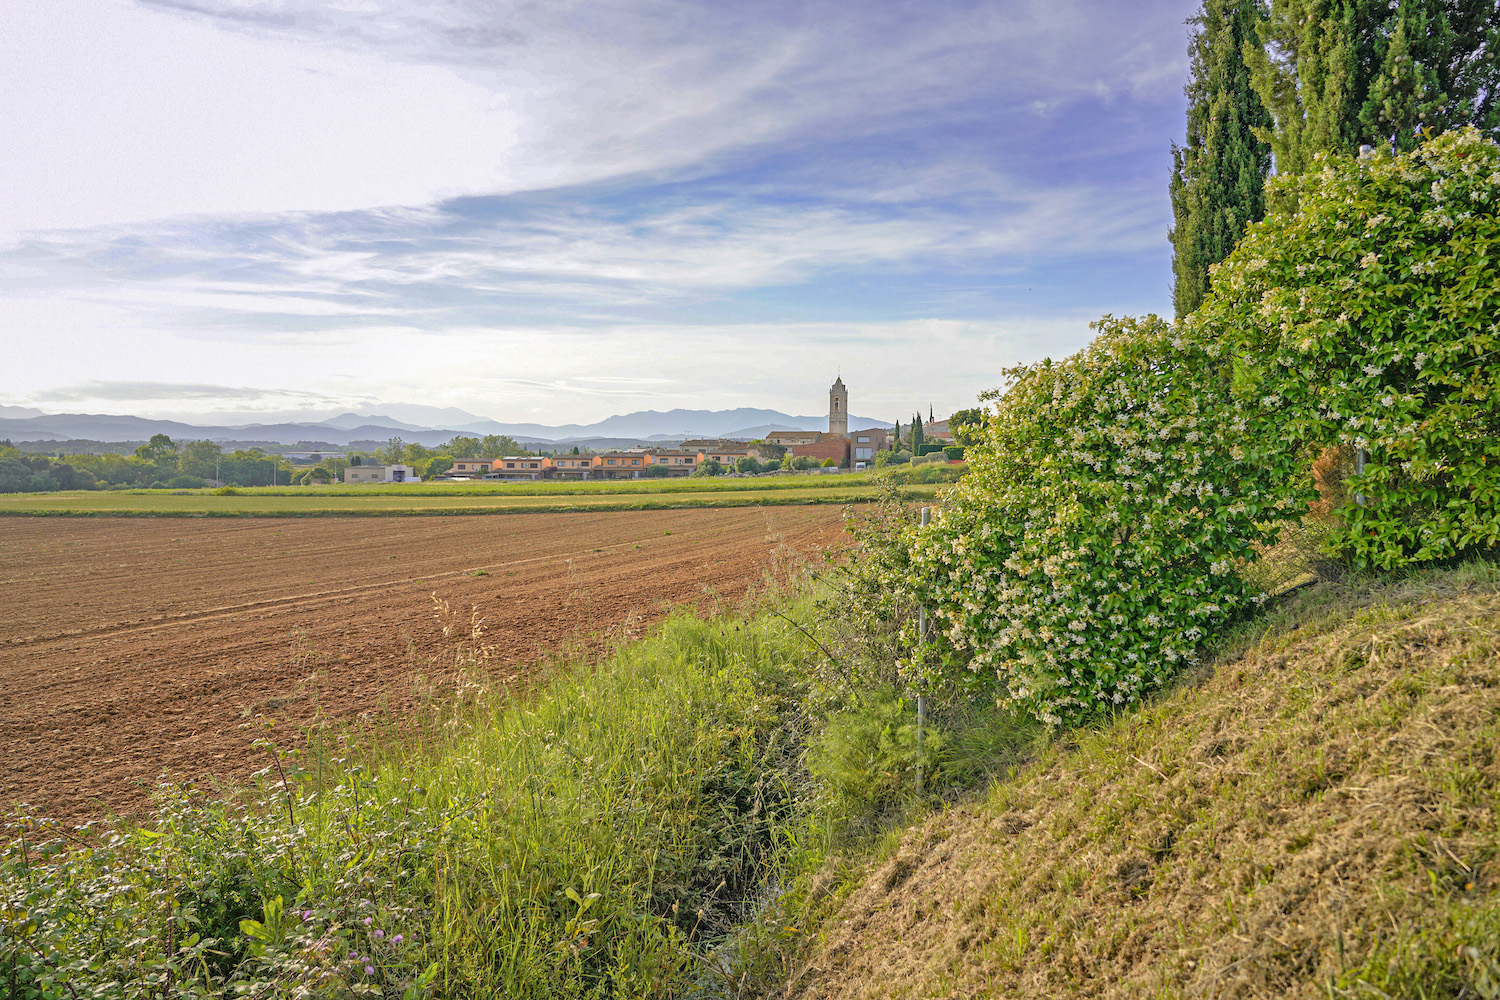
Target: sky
558,211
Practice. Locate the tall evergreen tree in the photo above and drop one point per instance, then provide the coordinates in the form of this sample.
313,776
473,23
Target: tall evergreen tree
1218,176
1340,73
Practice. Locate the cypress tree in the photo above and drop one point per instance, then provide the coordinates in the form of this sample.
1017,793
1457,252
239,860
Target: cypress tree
1218,176
1340,73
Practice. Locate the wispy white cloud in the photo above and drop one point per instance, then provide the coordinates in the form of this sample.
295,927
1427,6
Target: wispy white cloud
391,197
97,391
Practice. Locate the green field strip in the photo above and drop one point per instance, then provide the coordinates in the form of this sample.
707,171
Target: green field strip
251,503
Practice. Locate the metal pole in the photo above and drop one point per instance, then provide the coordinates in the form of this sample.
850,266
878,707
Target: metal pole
921,703
1359,470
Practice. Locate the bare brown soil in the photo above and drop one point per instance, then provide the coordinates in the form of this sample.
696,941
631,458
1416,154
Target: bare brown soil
130,648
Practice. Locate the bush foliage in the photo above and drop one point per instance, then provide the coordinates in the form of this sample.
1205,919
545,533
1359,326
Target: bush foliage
1094,541
1367,318
1119,494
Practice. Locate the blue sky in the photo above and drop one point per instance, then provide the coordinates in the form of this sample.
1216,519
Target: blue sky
557,211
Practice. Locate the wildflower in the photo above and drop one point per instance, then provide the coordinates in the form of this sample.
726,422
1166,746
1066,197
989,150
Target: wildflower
379,933
307,914
1369,260
397,939
369,921
369,970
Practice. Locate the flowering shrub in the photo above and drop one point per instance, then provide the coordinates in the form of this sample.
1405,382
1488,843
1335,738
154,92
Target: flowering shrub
1095,541
1099,536
1367,318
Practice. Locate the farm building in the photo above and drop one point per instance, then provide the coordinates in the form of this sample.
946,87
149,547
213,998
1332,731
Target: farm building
381,474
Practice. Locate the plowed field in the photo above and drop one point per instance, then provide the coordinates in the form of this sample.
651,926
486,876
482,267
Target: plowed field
130,647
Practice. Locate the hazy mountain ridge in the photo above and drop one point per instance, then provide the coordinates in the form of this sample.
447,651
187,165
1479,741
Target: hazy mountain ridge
644,425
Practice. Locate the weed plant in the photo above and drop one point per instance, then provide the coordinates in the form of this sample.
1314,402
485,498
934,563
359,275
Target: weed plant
586,842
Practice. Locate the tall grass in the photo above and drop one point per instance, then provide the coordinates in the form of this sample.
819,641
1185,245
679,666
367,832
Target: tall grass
591,840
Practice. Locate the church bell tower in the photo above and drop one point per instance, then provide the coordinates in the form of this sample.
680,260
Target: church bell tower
838,409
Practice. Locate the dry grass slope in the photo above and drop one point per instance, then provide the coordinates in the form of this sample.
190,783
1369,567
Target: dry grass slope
1314,815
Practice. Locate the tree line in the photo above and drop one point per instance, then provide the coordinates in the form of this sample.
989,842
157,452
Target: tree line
1276,85
162,463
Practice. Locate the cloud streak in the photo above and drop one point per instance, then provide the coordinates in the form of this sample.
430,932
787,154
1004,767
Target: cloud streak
332,179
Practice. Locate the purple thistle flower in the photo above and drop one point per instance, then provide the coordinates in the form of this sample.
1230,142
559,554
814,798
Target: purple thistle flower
397,939
369,970
369,921
379,933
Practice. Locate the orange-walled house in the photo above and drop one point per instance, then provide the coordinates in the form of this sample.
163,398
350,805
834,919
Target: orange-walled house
620,464
573,466
678,462
521,467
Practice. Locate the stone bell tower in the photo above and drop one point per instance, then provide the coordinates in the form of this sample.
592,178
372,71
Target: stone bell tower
838,409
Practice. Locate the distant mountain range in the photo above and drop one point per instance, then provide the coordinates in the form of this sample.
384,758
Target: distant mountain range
22,424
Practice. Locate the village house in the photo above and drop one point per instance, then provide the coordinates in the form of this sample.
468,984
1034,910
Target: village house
520,467
620,464
937,430
677,461
866,444
728,453
469,467
789,439
573,466
825,447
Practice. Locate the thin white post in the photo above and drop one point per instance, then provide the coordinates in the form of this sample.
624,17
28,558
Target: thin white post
1359,470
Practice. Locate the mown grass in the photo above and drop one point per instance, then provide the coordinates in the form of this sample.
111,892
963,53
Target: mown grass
378,502
1314,814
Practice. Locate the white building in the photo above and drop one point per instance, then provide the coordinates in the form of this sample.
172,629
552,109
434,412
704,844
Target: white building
381,474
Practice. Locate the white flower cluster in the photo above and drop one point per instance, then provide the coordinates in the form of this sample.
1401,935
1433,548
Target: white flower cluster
1088,582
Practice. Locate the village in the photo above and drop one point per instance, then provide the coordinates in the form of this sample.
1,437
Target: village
779,451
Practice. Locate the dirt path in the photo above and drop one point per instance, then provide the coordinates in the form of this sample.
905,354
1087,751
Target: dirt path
131,647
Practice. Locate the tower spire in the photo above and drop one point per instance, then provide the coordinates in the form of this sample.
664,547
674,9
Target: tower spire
838,408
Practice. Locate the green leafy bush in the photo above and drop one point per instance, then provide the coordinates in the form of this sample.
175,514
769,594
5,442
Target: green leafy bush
1367,318
1120,493
925,473
1097,538
954,452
